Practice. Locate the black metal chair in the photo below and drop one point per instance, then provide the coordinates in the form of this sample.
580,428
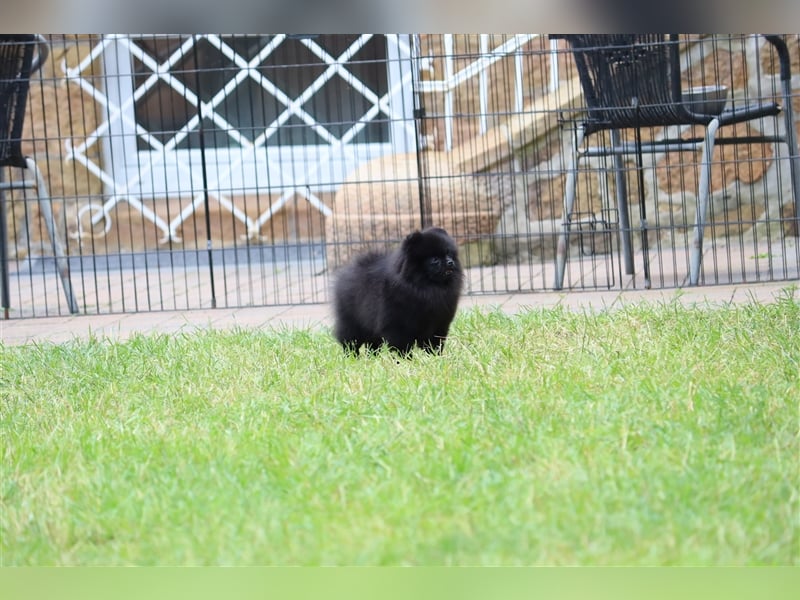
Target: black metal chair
632,81
20,56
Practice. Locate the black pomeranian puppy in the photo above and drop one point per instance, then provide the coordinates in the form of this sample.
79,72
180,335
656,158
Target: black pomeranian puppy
402,298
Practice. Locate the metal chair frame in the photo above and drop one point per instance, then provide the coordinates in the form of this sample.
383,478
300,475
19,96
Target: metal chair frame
22,55
634,81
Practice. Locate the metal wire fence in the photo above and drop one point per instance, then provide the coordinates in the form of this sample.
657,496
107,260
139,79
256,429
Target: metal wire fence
208,171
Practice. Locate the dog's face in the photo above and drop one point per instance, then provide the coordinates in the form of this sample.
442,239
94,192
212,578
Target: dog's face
432,254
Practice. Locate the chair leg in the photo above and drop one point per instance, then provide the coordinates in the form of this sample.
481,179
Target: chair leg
5,295
642,209
791,142
62,264
703,196
562,248
622,204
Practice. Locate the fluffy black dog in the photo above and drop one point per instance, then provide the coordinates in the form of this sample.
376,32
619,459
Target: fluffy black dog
402,298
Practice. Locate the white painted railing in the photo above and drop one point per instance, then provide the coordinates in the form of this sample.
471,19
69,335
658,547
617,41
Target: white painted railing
479,68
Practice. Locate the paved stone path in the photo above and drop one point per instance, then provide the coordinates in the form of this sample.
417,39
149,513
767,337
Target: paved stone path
121,326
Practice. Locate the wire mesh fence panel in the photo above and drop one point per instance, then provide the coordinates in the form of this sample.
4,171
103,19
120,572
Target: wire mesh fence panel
202,171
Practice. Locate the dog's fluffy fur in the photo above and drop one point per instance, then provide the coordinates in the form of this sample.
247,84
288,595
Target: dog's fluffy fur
403,298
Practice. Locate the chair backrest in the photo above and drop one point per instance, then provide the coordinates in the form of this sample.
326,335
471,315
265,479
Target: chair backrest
631,80
16,59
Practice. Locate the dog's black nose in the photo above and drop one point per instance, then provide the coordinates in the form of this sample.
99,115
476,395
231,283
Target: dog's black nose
450,263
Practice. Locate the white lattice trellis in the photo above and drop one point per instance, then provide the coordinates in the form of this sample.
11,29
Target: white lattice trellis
131,175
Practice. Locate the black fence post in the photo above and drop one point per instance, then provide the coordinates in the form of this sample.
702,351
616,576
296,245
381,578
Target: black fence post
204,171
425,207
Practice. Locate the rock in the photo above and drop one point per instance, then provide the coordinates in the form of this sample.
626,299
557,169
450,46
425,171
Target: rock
378,204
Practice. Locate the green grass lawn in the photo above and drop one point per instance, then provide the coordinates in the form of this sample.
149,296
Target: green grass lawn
650,435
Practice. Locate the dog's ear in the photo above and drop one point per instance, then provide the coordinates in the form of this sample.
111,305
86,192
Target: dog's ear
412,239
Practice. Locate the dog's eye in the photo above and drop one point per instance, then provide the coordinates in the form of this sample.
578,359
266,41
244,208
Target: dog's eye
434,261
